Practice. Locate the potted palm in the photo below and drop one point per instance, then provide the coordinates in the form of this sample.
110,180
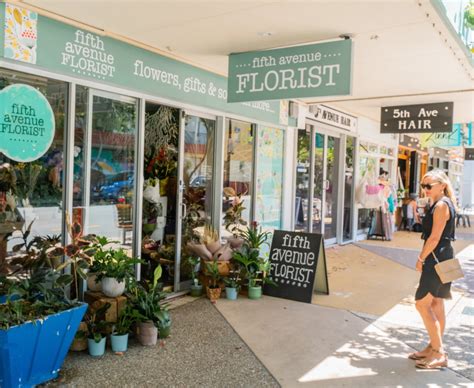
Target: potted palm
196,287
97,328
213,289
115,270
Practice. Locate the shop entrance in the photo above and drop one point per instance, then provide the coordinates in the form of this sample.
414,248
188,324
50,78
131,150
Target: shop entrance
178,184
317,183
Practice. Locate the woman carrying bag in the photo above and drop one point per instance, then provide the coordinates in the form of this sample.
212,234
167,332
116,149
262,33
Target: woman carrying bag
438,232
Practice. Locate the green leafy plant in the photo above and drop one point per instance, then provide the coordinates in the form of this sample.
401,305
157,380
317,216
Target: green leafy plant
115,263
96,324
256,268
146,300
193,262
255,237
233,215
128,316
212,270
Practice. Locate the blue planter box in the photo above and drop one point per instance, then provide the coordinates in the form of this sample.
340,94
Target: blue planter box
34,352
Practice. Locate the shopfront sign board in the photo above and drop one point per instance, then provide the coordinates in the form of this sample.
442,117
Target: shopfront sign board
26,123
298,266
315,70
47,44
422,118
469,154
334,117
461,135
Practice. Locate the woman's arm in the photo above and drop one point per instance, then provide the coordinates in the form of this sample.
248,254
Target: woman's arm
440,217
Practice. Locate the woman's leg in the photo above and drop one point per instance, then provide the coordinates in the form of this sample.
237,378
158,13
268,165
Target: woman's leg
437,306
430,321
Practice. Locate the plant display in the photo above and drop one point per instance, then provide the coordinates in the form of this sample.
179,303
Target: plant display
193,263
42,294
7,179
128,316
234,278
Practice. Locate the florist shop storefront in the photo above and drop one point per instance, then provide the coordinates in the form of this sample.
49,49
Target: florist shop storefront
145,149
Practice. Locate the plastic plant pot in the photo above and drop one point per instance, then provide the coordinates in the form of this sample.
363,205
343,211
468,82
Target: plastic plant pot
34,352
255,292
231,293
196,290
164,331
119,342
96,349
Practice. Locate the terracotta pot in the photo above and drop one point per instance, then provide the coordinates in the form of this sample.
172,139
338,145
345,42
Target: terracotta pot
80,344
213,294
112,287
147,333
92,285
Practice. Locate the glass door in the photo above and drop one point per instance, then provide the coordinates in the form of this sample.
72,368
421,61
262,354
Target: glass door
104,164
347,228
196,194
331,188
319,183
303,174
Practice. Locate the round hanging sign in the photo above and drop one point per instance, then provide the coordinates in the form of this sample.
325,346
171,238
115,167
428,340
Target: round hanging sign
26,123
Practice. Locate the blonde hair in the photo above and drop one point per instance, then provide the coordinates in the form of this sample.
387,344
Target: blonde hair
441,177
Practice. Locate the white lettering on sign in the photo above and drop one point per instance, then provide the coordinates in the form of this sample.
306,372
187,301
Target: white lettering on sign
331,116
86,55
414,124
284,79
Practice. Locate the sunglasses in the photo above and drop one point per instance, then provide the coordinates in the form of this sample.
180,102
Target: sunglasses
428,186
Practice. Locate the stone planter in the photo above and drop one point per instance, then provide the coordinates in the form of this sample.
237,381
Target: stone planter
119,342
255,292
96,349
112,288
231,293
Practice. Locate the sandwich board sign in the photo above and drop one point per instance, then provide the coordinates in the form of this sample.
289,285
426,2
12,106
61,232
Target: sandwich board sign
298,266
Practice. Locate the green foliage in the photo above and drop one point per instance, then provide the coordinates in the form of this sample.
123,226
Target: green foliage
233,215
42,294
128,316
115,263
96,324
212,270
193,262
145,301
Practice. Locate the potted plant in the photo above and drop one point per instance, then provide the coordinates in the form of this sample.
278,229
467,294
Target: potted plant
233,220
80,339
100,254
256,267
213,289
119,337
98,329
196,287
232,282
42,321
146,301
115,270
164,322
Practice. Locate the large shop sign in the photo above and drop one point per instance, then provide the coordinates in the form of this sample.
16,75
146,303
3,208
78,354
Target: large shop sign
298,266
61,48
322,69
26,123
424,118
333,117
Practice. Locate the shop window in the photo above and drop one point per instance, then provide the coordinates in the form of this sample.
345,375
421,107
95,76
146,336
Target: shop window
104,162
31,193
302,179
269,177
238,165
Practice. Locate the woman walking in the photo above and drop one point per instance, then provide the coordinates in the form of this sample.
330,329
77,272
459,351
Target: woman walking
438,232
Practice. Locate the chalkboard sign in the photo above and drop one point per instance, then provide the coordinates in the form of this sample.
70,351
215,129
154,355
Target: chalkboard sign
298,266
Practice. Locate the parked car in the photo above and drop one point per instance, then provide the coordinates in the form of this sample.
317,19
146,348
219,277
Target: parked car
115,186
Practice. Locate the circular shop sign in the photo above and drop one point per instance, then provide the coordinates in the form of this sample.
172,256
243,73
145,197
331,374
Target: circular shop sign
26,123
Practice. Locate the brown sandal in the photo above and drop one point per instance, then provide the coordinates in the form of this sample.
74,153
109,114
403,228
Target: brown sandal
414,356
433,363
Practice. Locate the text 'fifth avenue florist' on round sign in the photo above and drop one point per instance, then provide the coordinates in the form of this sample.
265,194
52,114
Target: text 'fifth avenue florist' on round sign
26,123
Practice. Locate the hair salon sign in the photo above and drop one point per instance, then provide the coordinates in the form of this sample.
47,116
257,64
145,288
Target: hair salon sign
26,123
424,118
315,70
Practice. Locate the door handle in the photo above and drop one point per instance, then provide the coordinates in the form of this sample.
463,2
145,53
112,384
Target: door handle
184,210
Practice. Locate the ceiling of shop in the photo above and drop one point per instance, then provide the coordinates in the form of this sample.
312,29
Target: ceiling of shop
401,47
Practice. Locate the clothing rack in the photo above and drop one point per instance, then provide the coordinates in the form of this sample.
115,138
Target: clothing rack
376,228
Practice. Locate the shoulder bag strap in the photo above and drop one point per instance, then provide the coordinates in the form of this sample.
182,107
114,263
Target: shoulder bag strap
434,256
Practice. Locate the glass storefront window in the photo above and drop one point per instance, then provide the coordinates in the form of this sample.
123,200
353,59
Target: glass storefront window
348,189
238,163
36,195
302,179
104,162
269,177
